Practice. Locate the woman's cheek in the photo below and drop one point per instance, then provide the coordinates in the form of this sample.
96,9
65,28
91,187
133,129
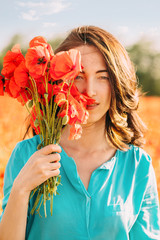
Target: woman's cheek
80,86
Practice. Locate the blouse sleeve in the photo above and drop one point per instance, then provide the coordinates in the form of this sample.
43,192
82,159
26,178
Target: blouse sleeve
18,159
13,167
147,224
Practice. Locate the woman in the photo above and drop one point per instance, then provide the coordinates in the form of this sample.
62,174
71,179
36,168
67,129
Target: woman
108,186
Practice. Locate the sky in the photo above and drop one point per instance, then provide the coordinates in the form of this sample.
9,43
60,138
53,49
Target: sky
127,20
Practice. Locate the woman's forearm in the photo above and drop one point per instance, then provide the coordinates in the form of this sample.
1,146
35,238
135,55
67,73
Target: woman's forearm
41,166
14,220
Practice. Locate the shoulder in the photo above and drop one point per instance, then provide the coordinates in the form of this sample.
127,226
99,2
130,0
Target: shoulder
135,164
22,152
27,146
139,153
136,156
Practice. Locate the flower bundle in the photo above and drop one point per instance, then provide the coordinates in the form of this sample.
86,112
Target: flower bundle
44,83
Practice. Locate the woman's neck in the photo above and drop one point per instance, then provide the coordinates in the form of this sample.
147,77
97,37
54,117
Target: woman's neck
93,138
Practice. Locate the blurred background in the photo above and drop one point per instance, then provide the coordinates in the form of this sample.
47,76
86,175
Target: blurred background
136,24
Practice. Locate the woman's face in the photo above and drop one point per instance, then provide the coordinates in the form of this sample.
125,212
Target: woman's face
94,80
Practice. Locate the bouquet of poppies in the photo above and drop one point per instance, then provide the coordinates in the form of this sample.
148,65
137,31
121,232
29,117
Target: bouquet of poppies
44,83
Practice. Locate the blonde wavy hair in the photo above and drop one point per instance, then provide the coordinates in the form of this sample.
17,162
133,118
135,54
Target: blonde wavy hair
123,125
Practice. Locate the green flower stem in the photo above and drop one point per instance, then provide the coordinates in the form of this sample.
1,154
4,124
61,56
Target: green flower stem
36,201
44,199
45,192
51,128
26,107
51,102
51,204
38,209
52,122
35,97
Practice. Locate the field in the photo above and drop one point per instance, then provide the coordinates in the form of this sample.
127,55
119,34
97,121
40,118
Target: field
12,127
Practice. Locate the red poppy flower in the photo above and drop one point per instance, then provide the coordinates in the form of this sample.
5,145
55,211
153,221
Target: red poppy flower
41,41
1,86
76,111
65,65
16,48
37,59
11,60
78,114
21,75
13,90
24,97
41,88
77,103
80,97
64,113
7,90
75,132
37,41
60,99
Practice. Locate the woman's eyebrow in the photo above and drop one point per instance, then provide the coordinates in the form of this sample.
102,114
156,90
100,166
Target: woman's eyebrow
99,71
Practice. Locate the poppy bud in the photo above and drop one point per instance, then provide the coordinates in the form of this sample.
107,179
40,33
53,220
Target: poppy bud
46,96
65,120
36,123
30,103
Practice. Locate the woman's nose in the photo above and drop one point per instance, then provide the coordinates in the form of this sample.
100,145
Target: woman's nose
90,88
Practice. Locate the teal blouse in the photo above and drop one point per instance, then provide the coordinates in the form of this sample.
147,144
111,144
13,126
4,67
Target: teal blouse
121,201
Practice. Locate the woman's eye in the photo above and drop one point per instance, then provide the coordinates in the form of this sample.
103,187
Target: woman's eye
104,77
79,77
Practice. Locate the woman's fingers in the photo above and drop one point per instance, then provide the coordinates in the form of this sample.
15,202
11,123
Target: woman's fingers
53,173
42,165
54,166
52,148
50,166
54,157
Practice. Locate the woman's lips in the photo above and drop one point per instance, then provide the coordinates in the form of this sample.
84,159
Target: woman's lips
92,106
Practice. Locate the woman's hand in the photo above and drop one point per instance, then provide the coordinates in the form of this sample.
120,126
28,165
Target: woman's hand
42,165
